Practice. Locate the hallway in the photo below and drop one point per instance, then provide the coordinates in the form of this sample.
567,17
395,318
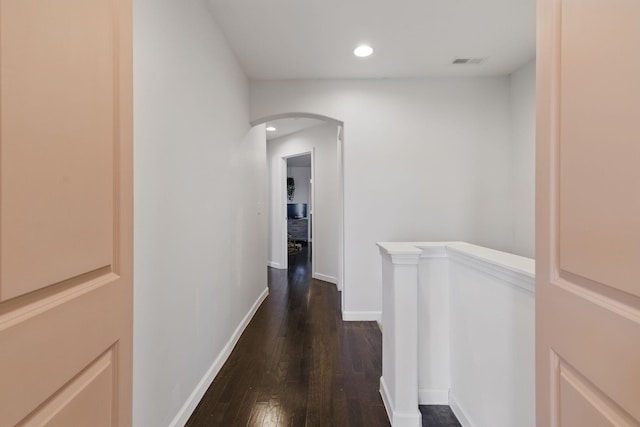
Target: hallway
298,363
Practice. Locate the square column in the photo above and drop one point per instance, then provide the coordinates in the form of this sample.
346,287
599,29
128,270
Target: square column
399,381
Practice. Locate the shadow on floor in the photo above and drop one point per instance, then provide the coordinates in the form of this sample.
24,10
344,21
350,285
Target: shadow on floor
438,416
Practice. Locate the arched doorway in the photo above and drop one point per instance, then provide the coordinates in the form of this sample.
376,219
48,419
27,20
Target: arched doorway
278,213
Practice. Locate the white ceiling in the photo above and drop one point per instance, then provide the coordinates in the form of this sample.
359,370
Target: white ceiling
314,39
288,126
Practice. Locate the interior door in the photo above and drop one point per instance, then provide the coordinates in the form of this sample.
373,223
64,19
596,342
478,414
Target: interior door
588,213
65,212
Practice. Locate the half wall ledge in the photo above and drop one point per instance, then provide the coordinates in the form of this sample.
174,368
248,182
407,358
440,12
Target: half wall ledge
447,309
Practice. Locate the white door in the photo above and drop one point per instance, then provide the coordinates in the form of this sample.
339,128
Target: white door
588,213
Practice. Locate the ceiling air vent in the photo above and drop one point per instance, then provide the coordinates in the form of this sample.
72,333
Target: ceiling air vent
463,61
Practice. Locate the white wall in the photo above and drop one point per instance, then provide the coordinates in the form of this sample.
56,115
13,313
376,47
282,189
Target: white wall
522,101
301,176
492,338
199,206
322,140
423,160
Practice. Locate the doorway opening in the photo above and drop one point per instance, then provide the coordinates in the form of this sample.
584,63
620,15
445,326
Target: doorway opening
299,196
304,164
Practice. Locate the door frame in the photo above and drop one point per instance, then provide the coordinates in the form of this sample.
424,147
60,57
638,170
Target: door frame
340,160
284,201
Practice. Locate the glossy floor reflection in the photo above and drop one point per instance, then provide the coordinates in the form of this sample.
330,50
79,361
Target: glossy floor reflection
298,363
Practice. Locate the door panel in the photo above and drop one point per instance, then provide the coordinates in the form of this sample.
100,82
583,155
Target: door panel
58,175
599,197
59,347
584,405
588,213
598,340
86,401
65,212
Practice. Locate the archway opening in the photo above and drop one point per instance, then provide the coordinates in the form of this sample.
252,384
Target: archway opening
290,136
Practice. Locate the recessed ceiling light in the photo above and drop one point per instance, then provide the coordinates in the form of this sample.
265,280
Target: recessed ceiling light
363,51
271,129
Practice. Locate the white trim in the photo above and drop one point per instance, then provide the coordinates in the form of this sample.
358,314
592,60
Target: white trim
433,251
459,412
325,278
311,218
340,164
517,263
433,397
275,117
362,316
284,224
194,398
398,419
386,398
400,252
274,264
506,274
404,259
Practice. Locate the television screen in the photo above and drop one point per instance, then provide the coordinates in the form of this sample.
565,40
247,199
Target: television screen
296,210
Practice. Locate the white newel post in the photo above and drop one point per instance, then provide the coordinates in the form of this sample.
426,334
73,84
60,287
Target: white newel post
399,381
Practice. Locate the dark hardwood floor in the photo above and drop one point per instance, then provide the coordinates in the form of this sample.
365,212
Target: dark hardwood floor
438,416
299,364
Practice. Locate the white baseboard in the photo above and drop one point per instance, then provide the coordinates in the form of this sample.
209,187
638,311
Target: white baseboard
398,419
386,399
194,398
459,412
325,278
433,397
362,316
274,264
